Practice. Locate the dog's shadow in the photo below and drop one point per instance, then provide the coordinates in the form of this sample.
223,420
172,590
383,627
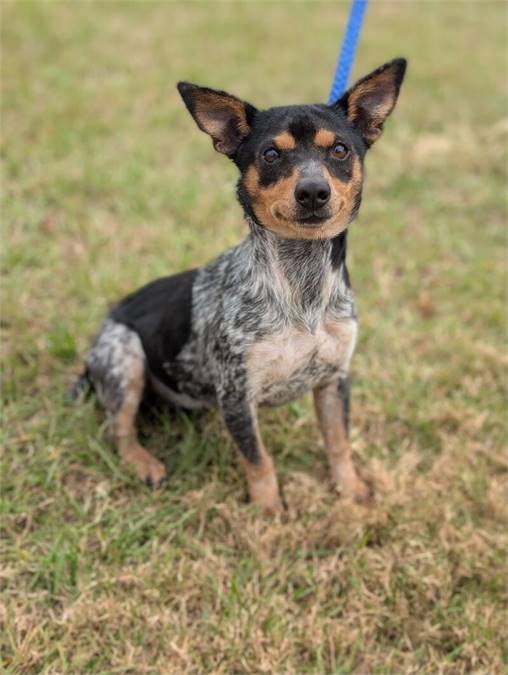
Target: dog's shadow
194,445
190,443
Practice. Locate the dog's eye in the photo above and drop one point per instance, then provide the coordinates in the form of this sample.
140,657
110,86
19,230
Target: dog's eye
271,155
340,151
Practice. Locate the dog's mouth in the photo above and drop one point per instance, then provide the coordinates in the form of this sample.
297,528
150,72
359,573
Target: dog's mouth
310,224
316,219
313,220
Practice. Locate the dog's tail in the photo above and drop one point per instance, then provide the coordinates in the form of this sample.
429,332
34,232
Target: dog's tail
81,387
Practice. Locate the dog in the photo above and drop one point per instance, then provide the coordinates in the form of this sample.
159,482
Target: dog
273,317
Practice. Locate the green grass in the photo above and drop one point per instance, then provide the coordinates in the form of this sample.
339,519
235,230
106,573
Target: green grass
108,184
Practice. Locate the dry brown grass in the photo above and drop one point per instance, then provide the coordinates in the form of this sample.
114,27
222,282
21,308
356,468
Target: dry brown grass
332,587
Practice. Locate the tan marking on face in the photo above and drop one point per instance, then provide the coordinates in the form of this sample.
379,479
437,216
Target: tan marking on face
271,204
324,138
343,195
330,414
285,141
275,205
144,464
276,358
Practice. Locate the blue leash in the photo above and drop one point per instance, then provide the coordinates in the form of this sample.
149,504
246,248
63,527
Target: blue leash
347,52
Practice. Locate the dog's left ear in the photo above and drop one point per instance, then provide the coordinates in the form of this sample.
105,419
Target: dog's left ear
368,103
224,117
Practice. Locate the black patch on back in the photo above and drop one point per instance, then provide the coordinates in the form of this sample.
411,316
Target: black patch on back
161,314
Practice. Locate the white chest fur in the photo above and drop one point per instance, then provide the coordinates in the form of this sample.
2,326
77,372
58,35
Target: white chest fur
284,365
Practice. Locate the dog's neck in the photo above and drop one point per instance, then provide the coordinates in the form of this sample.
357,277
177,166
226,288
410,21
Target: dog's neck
308,274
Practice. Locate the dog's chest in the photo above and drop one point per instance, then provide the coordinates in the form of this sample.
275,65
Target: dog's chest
283,366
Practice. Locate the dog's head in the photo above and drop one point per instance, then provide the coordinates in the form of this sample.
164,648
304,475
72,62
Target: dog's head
301,166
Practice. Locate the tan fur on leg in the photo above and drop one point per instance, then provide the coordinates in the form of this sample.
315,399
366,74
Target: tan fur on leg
145,465
331,420
262,481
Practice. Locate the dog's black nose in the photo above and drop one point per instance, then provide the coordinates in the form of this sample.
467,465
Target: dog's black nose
312,193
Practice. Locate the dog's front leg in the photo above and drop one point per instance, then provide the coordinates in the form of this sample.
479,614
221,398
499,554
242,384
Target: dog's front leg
240,416
332,407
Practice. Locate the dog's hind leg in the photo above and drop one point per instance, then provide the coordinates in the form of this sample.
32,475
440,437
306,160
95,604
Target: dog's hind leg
116,365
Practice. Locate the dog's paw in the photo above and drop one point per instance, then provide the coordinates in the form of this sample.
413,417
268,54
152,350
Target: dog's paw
264,491
351,486
154,473
273,508
269,502
144,465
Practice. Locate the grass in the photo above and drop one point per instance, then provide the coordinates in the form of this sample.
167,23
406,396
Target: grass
107,184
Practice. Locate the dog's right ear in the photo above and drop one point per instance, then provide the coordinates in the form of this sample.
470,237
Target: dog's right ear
224,117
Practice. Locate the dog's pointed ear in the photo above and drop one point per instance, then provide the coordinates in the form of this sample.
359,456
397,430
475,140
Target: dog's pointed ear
224,117
368,103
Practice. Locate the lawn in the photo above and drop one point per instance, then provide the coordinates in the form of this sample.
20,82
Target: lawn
108,184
